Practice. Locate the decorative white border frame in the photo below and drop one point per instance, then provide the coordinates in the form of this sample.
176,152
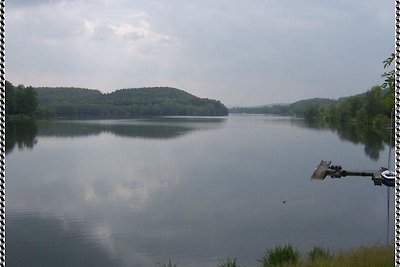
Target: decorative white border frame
3,142
397,134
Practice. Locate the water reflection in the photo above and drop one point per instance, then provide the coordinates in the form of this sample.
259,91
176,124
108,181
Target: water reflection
158,128
374,140
195,200
21,134
48,239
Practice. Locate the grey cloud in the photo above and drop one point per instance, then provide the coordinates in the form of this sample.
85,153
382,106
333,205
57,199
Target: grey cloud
240,52
103,33
132,36
29,2
33,3
168,40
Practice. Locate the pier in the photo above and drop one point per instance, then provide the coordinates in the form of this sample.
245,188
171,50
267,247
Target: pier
325,168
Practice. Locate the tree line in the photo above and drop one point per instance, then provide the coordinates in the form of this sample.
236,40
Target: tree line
47,102
372,108
154,101
20,100
375,107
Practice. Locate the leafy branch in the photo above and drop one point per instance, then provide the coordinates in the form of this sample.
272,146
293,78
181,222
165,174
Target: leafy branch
389,76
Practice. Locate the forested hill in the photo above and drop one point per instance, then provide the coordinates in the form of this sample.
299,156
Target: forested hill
151,101
296,108
372,107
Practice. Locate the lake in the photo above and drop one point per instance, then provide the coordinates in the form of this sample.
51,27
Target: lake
193,190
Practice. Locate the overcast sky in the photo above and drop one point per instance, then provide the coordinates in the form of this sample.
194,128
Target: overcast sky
242,52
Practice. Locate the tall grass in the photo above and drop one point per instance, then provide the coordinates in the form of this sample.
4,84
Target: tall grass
376,256
288,256
318,253
280,255
228,263
169,264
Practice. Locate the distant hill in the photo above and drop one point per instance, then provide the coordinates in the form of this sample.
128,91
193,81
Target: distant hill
374,107
296,108
151,101
299,107
302,106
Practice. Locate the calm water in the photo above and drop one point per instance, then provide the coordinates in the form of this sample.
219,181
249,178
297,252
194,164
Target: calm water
193,190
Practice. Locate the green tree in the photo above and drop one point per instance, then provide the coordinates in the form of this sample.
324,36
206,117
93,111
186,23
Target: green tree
373,103
20,100
29,100
389,76
389,84
10,98
361,115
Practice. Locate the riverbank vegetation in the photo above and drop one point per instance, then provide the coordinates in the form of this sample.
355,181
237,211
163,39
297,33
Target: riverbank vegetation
289,256
21,102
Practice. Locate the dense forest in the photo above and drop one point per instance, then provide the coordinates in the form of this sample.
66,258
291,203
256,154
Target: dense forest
153,101
295,109
21,101
373,108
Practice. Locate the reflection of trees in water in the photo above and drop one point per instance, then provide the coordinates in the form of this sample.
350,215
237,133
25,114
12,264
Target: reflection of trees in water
70,129
152,129
20,133
23,133
374,140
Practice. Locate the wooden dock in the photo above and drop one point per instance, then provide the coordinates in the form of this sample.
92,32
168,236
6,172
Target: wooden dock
321,170
325,168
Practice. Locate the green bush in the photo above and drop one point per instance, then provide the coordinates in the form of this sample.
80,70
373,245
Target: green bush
279,256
